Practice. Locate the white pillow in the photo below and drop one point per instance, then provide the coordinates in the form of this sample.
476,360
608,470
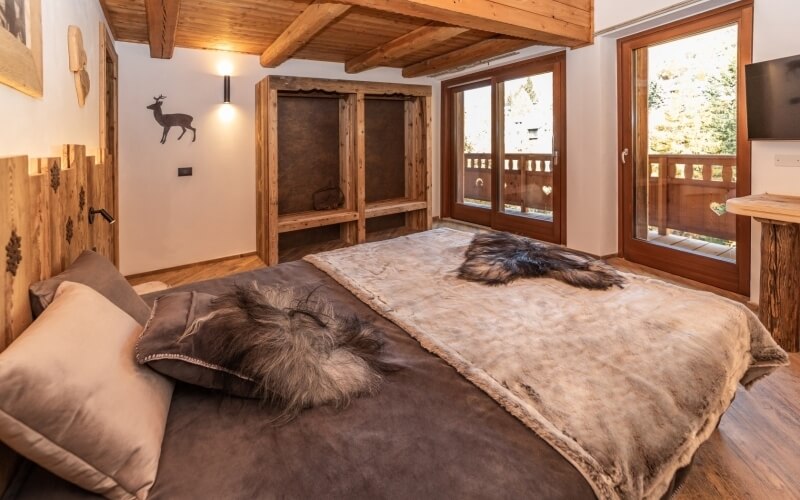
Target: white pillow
74,400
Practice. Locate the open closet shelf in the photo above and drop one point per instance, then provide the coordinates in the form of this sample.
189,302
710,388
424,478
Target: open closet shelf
308,220
369,143
395,206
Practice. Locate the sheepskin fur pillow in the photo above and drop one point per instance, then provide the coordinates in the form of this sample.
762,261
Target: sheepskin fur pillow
499,258
286,347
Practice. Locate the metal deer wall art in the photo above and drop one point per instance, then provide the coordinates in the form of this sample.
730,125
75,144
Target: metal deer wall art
171,120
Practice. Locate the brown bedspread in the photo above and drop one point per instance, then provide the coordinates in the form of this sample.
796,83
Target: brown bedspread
429,434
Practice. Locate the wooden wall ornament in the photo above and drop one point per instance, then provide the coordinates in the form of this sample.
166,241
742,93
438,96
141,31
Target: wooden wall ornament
81,200
13,253
21,47
55,176
77,63
69,230
168,121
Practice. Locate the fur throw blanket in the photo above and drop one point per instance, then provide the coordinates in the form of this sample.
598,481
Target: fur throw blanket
626,384
499,258
294,346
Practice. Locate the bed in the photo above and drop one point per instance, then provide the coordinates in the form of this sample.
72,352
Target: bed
433,431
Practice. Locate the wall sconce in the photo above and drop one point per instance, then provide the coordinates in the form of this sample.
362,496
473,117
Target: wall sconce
226,89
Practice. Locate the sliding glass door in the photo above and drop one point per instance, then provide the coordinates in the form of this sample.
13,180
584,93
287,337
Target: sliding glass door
684,150
504,147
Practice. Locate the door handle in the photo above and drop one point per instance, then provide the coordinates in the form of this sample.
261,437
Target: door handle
555,158
624,155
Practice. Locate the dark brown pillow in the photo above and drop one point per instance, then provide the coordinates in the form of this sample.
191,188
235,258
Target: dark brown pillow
164,348
96,272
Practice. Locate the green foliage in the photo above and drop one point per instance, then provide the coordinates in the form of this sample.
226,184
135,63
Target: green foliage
654,98
692,101
468,146
720,119
527,87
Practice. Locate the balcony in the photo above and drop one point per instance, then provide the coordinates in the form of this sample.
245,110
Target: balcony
685,196
527,182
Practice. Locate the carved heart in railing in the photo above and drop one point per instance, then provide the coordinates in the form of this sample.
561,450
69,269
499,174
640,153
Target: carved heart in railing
547,190
718,208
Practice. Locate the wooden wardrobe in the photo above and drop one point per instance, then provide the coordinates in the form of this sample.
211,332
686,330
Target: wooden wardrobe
371,140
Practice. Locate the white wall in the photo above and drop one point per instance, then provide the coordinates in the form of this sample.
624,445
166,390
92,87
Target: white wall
38,127
165,220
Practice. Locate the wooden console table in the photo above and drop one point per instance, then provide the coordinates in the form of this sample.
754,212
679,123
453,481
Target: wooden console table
779,302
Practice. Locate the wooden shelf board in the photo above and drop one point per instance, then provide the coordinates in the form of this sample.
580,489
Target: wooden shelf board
312,219
767,206
395,206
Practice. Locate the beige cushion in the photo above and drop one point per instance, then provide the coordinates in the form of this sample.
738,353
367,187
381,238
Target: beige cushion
74,400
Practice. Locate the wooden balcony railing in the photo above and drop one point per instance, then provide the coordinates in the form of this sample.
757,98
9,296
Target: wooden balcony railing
682,189
527,180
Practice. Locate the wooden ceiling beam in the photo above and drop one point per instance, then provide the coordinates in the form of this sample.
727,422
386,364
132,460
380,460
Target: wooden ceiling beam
398,48
314,19
162,22
547,21
486,49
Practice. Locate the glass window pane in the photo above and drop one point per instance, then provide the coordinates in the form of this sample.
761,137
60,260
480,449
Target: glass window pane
473,147
527,160
685,142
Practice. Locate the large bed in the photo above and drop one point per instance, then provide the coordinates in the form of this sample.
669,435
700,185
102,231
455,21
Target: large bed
429,433
433,431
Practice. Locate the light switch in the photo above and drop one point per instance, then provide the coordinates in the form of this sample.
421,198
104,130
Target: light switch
184,171
787,160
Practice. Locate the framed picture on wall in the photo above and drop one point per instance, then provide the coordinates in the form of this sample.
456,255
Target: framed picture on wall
21,45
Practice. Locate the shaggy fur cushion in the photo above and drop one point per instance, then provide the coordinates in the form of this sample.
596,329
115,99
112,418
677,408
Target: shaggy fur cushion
287,347
499,258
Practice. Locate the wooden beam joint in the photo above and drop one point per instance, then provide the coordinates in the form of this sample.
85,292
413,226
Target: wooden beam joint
409,43
568,22
305,27
480,51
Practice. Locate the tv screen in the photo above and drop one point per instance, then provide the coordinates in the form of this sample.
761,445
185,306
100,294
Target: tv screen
773,99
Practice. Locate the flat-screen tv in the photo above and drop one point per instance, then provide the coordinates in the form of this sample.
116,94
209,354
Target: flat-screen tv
773,99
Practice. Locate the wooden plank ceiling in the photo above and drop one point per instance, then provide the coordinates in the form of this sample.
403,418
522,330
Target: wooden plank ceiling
423,37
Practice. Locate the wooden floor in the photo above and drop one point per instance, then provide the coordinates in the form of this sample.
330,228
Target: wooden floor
755,453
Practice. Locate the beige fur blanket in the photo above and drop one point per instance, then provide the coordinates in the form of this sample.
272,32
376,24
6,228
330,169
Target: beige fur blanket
626,384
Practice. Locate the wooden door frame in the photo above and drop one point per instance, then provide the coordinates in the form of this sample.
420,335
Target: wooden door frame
492,77
718,273
107,51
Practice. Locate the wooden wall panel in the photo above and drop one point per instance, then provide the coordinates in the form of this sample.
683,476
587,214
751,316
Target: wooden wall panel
44,225
40,188
76,206
15,238
101,234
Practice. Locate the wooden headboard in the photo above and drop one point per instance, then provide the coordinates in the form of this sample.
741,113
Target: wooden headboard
44,226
